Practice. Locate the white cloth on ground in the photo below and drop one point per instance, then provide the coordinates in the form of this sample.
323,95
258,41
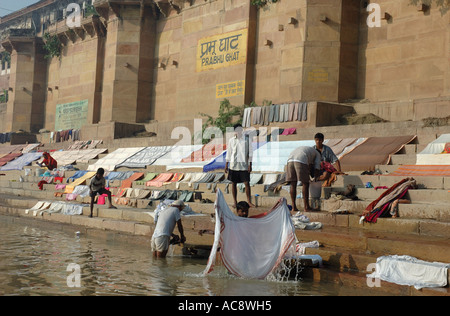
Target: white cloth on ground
301,247
407,270
302,222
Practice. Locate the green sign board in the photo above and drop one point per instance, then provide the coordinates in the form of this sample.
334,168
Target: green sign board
71,115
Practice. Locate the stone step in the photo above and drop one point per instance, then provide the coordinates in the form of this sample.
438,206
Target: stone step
403,159
359,265
347,250
377,243
338,230
387,180
419,195
414,218
435,209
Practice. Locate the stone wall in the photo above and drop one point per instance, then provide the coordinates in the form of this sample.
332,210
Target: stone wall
407,58
183,89
139,62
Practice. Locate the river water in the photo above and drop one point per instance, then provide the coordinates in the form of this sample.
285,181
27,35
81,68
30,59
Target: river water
37,260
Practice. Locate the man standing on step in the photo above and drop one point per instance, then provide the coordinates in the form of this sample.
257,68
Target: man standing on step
302,162
239,163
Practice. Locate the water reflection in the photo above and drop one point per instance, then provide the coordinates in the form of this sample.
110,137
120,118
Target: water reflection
34,261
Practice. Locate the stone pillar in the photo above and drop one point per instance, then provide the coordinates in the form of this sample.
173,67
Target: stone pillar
128,65
26,104
331,51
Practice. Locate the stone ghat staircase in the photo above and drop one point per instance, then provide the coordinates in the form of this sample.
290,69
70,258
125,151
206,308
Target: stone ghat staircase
422,229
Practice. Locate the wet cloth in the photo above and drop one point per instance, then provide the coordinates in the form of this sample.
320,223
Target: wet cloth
22,161
302,111
423,170
406,270
9,157
159,180
381,206
114,159
373,151
289,131
251,248
246,121
79,181
146,157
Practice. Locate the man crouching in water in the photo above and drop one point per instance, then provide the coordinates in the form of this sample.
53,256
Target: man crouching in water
165,224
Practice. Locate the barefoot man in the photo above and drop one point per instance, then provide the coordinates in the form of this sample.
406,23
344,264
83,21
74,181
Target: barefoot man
300,165
239,163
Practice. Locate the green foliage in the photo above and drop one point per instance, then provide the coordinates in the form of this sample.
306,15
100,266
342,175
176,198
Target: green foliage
52,45
228,116
90,10
4,97
262,3
5,58
443,5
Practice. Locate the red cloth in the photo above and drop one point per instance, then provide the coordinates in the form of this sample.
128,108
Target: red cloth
447,148
41,184
328,167
49,161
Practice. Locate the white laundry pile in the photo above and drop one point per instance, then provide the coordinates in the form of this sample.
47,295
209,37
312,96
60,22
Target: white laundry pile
406,270
302,222
301,247
251,248
433,153
55,207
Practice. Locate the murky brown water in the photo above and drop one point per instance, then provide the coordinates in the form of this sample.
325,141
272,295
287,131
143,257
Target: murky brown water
42,261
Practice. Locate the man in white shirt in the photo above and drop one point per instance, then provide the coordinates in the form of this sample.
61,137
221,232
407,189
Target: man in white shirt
300,163
165,224
239,163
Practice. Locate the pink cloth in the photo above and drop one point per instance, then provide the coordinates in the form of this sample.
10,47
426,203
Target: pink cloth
289,131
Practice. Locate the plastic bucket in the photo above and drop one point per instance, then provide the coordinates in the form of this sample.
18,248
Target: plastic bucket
315,189
39,172
101,200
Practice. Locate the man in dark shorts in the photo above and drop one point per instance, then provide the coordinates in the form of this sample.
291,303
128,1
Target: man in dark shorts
301,162
97,186
239,163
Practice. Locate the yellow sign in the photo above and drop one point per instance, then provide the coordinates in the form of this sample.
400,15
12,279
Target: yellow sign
230,89
318,75
221,51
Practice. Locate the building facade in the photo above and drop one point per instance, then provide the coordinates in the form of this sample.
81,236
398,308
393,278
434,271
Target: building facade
136,61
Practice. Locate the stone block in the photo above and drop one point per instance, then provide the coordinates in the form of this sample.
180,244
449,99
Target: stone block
60,218
110,213
119,226
192,26
143,230
137,216
87,222
434,228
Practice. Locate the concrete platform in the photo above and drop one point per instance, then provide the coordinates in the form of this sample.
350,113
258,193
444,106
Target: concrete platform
422,229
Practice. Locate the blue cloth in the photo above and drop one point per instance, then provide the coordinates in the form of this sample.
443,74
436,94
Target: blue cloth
219,162
22,161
